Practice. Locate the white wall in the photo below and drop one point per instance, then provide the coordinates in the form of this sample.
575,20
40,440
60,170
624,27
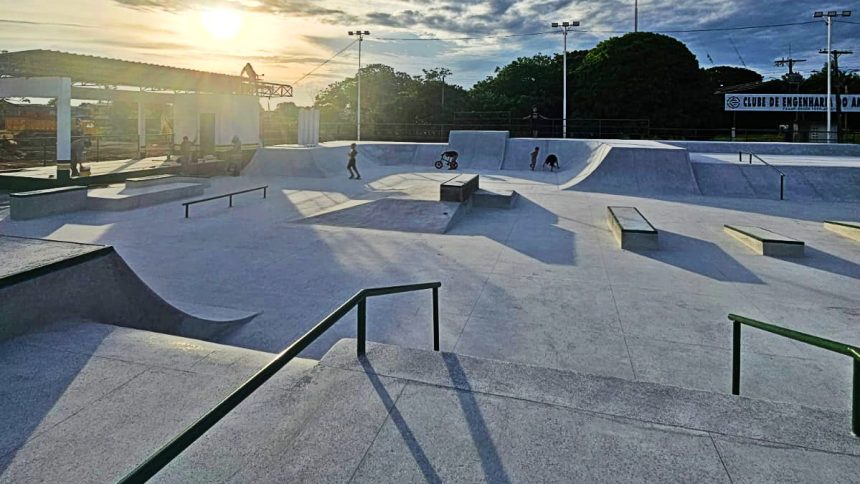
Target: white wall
234,115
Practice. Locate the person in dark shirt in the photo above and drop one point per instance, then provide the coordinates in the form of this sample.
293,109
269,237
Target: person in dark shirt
534,155
185,150
350,165
78,154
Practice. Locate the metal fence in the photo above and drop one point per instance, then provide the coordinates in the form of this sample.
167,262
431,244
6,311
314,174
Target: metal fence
42,150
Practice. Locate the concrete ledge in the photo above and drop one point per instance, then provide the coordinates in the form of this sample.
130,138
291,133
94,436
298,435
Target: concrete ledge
459,188
848,229
120,198
149,181
495,199
765,242
631,229
50,201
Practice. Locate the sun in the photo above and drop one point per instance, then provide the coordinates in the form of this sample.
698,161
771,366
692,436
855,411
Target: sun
222,23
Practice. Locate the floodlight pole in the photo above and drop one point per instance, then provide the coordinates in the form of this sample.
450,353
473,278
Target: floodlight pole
360,35
636,16
565,28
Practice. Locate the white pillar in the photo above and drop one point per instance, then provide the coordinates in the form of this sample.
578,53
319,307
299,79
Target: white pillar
829,21
64,120
141,127
564,83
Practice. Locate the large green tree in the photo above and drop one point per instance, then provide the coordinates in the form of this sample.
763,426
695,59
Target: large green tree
642,75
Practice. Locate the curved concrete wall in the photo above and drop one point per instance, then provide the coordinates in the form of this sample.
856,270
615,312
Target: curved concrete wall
813,149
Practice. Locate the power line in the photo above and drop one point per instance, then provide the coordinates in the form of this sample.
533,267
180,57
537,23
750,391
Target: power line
341,51
501,36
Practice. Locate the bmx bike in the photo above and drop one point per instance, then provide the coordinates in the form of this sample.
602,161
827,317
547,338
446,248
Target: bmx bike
446,159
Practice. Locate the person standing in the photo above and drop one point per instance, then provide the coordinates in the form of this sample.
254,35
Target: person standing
350,164
534,155
185,150
78,154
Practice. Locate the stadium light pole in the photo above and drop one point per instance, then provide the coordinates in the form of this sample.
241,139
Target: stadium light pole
565,28
636,15
360,34
828,19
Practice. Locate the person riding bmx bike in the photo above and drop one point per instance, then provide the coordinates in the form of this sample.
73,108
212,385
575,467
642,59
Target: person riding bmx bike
449,158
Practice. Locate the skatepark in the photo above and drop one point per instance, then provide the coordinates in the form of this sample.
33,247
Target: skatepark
556,343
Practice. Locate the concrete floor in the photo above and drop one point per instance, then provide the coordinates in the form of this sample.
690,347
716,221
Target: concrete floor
542,284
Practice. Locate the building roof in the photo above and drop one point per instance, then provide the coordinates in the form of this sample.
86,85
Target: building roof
115,72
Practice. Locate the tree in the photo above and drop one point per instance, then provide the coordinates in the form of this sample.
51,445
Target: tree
642,75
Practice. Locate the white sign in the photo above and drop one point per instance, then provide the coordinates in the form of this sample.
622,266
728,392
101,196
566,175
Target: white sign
809,103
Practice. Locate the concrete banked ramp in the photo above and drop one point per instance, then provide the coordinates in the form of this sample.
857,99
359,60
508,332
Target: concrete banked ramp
479,150
58,281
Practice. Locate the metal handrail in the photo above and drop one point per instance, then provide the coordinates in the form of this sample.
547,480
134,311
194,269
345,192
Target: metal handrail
830,345
759,158
172,449
226,195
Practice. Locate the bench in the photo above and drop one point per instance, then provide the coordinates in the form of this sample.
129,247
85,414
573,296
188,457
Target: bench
631,229
458,189
50,201
848,229
765,242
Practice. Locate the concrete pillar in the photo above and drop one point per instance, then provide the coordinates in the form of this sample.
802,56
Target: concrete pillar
141,128
64,127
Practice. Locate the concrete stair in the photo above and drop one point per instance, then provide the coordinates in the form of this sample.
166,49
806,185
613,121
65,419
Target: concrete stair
406,415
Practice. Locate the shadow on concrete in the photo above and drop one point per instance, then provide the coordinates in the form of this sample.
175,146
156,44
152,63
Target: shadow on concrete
816,259
494,470
415,449
699,256
34,381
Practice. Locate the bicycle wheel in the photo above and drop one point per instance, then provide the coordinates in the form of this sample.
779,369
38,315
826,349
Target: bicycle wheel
438,164
454,165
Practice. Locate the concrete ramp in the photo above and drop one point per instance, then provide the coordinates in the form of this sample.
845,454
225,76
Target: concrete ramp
811,149
573,154
400,214
59,281
296,161
636,167
479,150
812,183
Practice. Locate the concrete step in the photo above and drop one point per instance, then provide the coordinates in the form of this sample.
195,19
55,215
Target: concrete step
406,415
82,402
122,197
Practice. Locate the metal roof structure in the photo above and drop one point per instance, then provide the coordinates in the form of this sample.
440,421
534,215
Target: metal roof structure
101,71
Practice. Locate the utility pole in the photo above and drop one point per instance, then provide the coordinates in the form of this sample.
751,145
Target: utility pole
360,35
835,55
795,80
828,19
636,15
565,28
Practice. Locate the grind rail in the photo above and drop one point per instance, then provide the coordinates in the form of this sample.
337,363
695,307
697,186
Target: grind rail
834,346
171,450
226,195
759,158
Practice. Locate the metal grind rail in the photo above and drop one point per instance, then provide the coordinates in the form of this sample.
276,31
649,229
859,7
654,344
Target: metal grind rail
171,450
830,345
226,195
759,158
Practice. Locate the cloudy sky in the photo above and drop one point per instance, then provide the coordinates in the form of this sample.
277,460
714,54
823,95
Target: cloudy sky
285,39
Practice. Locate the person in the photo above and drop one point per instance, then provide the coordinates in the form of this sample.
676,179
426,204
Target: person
533,119
452,156
185,150
552,161
350,165
534,155
78,154
235,162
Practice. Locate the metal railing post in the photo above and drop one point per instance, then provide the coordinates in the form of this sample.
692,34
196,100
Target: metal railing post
740,156
186,210
230,197
855,400
736,358
750,158
264,191
361,331
781,186
435,319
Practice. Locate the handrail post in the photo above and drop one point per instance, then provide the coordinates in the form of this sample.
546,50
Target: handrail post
855,400
230,197
264,190
740,156
736,358
361,332
186,210
435,319
781,186
750,158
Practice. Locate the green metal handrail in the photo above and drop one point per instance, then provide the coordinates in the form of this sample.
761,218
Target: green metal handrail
171,450
830,345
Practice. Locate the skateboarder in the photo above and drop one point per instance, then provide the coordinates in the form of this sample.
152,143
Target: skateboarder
534,155
350,165
552,161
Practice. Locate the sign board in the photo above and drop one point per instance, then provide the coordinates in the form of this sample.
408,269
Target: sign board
807,103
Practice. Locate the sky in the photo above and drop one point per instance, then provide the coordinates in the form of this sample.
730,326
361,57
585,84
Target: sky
286,39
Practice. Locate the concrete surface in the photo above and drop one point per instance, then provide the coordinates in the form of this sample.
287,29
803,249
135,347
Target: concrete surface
83,402
844,228
122,197
479,150
51,201
544,278
402,415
